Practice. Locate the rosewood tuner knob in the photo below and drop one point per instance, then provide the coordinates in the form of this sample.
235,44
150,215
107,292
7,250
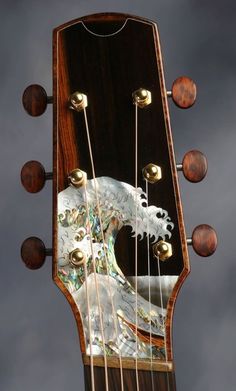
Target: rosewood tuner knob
194,166
34,252
204,240
33,176
35,100
183,92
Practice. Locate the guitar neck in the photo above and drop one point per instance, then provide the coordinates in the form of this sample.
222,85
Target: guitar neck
148,380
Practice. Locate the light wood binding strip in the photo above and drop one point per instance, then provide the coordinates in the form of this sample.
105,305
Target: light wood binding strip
129,363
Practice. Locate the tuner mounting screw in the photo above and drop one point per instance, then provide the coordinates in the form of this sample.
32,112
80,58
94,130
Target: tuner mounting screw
77,178
142,97
152,173
77,258
78,101
162,250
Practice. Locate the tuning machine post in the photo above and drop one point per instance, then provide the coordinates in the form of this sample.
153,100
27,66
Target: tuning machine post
162,250
77,178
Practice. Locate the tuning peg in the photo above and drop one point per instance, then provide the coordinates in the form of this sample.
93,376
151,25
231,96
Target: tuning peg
193,166
183,92
203,240
33,176
34,252
35,100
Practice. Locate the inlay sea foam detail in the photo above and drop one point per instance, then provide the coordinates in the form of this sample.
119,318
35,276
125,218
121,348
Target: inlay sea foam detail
81,212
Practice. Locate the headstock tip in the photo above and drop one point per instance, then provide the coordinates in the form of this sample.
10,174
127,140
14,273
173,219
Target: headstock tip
204,240
33,253
183,92
35,100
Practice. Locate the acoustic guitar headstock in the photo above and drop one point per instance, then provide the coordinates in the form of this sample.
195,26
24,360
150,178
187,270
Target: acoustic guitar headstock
119,243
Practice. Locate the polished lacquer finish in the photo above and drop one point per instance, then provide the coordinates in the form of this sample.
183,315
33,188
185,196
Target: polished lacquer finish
107,57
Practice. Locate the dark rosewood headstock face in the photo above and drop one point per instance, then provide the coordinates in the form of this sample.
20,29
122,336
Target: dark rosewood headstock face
120,249
110,63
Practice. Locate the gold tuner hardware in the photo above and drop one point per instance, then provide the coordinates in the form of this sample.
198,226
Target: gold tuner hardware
203,240
35,100
183,92
142,98
78,101
194,166
162,250
152,173
77,178
34,252
33,176
77,257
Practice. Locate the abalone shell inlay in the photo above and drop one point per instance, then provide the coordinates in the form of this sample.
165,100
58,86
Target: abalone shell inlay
79,227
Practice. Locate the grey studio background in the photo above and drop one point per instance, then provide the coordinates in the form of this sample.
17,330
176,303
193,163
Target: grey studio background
39,348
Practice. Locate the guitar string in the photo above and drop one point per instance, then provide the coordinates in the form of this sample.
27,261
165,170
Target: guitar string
136,246
105,254
136,267
87,297
149,290
96,286
162,309
97,294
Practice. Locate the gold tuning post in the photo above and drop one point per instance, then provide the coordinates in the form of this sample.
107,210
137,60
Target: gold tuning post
77,178
142,97
162,250
78,101
152,173
77,258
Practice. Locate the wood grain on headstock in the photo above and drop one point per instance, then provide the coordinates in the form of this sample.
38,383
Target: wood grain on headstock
108,67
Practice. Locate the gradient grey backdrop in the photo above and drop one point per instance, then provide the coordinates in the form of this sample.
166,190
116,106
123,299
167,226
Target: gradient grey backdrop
39,347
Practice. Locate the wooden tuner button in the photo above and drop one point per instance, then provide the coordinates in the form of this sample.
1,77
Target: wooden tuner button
34,252
183,92
194,166
204,240
33,176
35,100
